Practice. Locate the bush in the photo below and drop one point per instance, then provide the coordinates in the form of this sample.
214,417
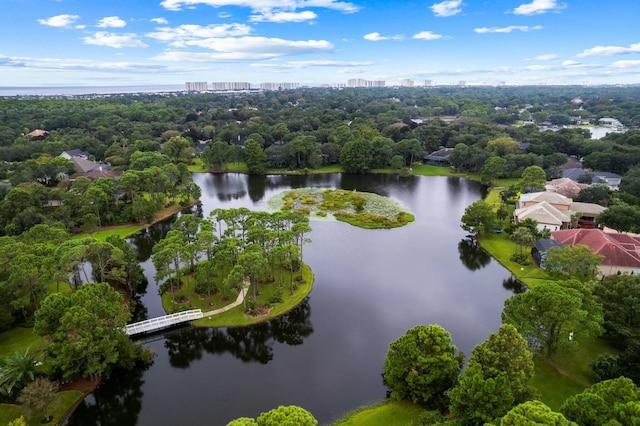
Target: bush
521,259
276,298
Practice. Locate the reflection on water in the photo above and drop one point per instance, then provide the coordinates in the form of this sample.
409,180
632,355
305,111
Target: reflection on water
472,255
370,287
248,344
514,285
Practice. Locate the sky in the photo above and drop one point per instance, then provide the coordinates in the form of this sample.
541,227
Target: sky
314,42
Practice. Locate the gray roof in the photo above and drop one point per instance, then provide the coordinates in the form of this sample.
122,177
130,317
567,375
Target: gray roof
543,245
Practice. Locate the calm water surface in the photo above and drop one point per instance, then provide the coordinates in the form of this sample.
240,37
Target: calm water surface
327,355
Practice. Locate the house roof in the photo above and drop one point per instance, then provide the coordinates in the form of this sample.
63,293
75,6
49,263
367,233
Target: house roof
76,153
549,197
544,244
543,213
598,176
101,173
84,166
440,155
587,208
574,173
617,249
566,187
37,133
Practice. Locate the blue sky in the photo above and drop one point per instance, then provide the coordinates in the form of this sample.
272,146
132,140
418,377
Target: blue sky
121,42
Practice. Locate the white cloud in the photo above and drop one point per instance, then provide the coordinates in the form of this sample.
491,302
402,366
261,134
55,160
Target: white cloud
312,63
511,28
178,36
65,64
427,35
111,22
284,17
538,7
377,37
261,6
547,57
161,21
626,64
610,50
59,21
447,8
117,41
244,48
224,15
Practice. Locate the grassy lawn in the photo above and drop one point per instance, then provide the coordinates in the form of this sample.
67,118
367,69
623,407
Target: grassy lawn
123,231
59,409
567,373
501,248
19,339
235,317
387,413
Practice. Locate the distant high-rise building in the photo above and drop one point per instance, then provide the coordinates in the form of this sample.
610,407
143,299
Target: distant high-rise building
361,82
407,82
428,83
196,86
224,86
279,86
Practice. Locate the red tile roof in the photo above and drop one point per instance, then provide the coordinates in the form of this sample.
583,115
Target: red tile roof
617,249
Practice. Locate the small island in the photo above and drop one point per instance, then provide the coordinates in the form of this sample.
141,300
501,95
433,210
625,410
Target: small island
362,209
239,267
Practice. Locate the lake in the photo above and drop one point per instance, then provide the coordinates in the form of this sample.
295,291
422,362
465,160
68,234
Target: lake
327,355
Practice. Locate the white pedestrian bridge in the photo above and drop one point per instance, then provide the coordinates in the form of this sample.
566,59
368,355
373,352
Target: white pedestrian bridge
159,323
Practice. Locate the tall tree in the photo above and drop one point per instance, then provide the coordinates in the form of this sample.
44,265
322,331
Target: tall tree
478,399
477,217
549,314
533,179
355,156
620,299
86,331
615,401
577,262
422,365
534,413
506,352
256,159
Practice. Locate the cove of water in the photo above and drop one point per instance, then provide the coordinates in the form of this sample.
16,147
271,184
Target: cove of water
327,355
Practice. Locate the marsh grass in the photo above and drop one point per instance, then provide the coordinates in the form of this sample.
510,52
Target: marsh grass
362,209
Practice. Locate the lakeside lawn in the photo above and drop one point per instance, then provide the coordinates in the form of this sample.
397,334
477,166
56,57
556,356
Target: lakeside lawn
567,373
501,248
123,231
385,413
60,409
19,339
235,317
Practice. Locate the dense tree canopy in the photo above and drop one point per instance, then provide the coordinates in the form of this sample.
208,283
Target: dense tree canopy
86,332
616,400
577,262
422,365
478,217
554,314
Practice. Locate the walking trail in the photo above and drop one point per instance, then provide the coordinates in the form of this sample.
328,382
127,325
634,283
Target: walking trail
238,301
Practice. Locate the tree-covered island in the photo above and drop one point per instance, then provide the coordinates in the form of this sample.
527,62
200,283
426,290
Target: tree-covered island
235,257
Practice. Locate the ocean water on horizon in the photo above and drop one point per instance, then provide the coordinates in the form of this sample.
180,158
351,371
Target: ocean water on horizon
87,90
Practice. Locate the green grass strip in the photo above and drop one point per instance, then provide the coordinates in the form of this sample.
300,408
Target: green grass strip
385,413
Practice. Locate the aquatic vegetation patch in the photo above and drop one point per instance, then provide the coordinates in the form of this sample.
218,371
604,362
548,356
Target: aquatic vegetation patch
362,209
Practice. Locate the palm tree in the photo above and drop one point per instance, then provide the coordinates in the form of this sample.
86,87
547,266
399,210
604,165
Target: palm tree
17,371
523,238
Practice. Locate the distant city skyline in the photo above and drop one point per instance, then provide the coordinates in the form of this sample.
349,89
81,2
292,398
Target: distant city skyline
319,42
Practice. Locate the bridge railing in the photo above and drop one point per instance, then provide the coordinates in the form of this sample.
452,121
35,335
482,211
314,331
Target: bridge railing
163,322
